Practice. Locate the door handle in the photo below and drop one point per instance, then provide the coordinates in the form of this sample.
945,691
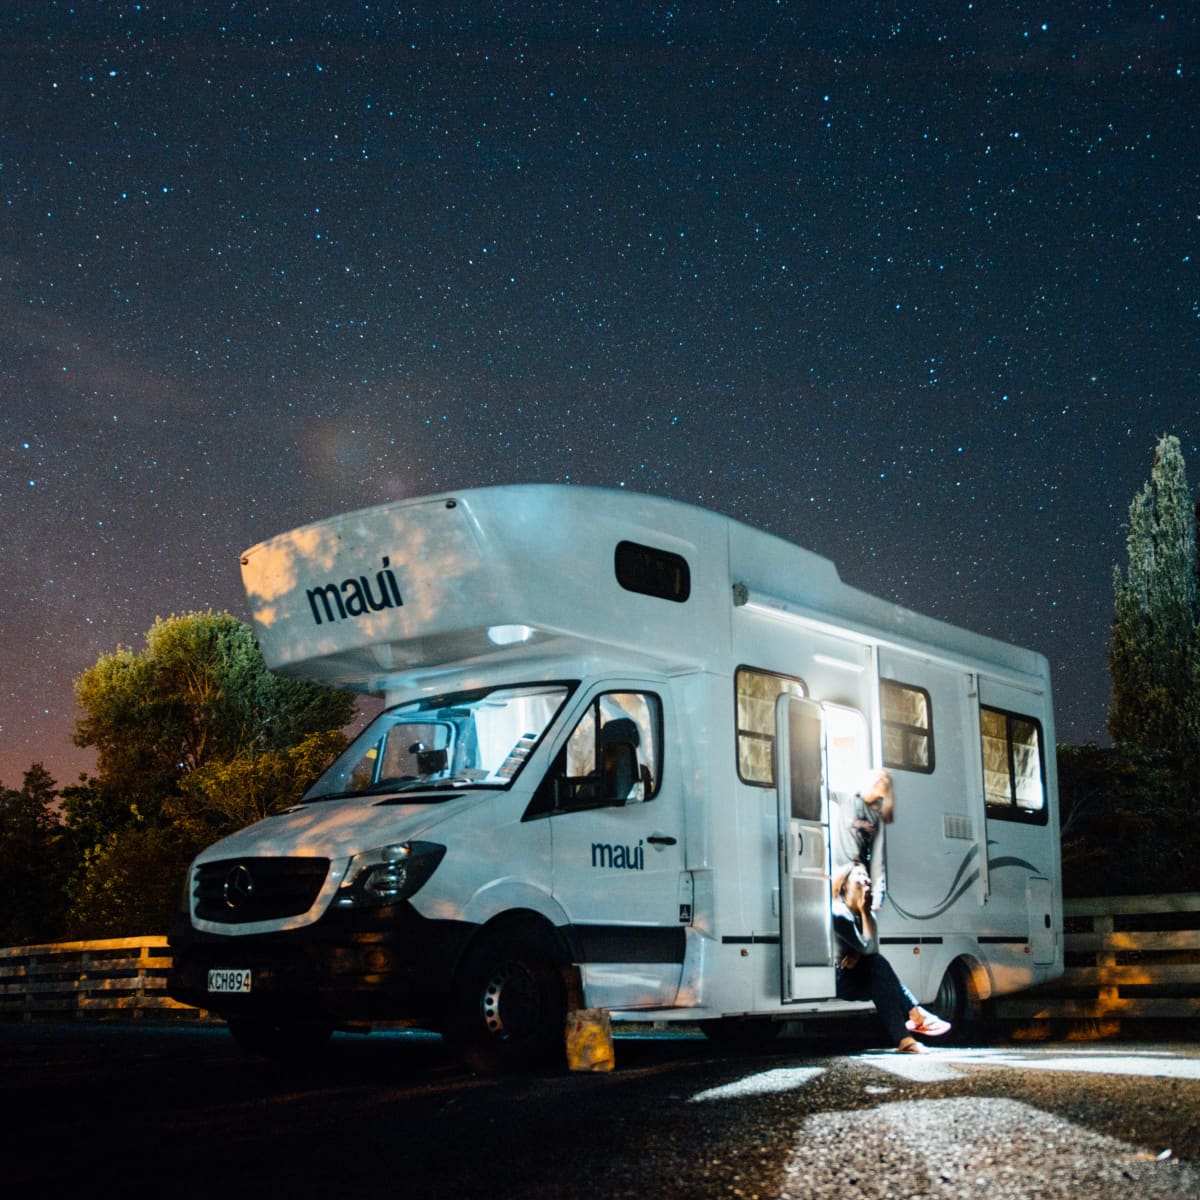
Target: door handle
660,839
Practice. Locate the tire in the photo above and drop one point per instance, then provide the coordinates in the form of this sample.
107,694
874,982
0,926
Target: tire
957,1001
281,1041
509,1007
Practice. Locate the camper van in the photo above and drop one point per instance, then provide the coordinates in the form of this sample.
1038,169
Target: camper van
614,732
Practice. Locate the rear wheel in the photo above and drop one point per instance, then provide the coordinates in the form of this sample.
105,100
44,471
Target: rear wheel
509,1006
280,1041
957,1001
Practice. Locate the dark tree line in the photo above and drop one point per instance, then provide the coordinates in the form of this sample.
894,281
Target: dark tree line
1129,811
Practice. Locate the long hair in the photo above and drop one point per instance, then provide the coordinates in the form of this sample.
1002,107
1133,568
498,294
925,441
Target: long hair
840,877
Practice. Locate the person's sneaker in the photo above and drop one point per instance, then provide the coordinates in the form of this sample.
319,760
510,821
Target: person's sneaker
928,1026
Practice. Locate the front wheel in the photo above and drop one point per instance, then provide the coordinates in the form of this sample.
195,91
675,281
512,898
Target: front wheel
509,1004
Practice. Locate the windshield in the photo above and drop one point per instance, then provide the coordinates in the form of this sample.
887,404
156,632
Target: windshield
479,738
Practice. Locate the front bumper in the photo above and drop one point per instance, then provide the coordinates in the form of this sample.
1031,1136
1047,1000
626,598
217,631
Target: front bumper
349,968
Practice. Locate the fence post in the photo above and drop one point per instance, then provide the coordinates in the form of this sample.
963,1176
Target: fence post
1107,993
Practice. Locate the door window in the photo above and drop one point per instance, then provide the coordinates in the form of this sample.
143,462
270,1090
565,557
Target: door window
757,692
612,757
847,748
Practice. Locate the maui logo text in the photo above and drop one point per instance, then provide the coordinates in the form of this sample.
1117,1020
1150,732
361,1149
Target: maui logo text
619,858
354,597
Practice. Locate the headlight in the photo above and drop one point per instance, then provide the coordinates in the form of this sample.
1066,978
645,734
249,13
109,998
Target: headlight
388,874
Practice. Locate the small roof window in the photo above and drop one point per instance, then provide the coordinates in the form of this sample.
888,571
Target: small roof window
653,572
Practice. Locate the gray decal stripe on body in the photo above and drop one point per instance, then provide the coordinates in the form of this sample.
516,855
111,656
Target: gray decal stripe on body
961,884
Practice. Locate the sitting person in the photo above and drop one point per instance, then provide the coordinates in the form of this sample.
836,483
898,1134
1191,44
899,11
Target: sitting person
864,974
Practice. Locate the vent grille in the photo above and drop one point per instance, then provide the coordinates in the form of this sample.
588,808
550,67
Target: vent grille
238,891
958,827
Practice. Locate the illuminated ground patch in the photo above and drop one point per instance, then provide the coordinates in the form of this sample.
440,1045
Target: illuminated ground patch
964,1146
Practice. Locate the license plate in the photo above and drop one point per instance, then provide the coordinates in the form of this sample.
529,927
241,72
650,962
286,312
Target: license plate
226,980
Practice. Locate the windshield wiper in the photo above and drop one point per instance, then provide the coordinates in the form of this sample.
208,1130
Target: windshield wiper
451,781
394,783
398,784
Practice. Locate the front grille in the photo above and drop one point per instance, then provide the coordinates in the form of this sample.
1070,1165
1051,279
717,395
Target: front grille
237,891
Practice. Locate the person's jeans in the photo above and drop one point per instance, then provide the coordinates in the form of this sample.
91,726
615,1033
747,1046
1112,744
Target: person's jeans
872,978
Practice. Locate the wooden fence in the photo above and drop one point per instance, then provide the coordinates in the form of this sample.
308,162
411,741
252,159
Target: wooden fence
116,978
1128,957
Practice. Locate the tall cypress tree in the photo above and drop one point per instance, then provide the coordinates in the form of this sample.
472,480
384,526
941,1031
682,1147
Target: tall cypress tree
1154,654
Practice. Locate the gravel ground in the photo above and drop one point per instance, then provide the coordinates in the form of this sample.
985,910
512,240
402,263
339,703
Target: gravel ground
179,1113
954,1147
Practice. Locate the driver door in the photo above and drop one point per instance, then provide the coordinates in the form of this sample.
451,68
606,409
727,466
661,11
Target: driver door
618,847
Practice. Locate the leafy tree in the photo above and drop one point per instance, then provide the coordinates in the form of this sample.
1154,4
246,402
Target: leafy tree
34,856
199,693
1154,653
195,736
92,813
129,884
223,796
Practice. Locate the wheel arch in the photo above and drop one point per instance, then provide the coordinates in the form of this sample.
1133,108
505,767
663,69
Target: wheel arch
497,900
516,921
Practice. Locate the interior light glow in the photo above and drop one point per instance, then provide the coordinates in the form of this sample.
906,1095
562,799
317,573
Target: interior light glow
509,635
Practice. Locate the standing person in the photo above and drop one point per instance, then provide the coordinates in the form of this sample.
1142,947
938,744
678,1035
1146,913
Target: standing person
858,830
864,974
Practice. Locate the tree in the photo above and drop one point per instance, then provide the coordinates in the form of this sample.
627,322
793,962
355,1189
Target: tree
34,856
1154,652
129,884
195,736
223,796
1126,827
200,692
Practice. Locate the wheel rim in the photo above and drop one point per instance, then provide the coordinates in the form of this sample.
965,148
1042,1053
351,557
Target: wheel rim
510,1002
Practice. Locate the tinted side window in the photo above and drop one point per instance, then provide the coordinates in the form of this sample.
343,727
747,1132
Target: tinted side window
653,572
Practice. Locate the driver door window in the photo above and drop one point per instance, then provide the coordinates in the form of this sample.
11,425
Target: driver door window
612,757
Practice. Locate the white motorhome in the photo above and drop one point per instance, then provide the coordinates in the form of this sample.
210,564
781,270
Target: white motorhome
614,727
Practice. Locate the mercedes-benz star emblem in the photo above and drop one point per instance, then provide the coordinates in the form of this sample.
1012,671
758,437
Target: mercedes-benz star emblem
239,886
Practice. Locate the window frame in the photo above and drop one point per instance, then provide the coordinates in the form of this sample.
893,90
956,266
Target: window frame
546,800
771,738
642,569
1014,810
926,731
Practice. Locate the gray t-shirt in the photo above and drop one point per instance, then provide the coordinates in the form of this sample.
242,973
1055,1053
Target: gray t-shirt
856,835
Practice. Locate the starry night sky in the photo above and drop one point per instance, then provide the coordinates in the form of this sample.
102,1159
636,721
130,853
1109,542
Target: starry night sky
912,286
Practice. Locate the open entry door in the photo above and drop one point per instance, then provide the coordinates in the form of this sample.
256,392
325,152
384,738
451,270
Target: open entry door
806,922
